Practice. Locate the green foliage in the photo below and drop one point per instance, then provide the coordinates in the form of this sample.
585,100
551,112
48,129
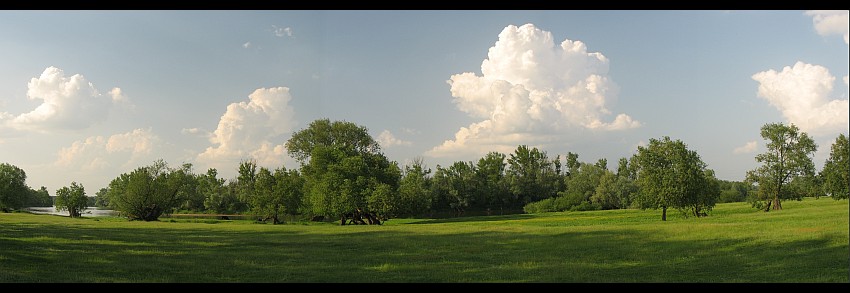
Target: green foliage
147,192
788,156
613,192
836,170
102,198
342,165
582,183
531,175
734,191
276,194
492,191
671,176
13,187
190,196
323,132
414,189
219,197
461,184
39,198
72,199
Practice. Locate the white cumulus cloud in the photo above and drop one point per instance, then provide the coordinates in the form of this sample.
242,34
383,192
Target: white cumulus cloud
531,91
801,94
831,22
98,152
252,129
747,148
387,139
67,103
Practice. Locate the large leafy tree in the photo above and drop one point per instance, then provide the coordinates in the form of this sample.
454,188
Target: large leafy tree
788,156
147,192
836,170
582,184
219,197
613,191
72,199
13,187
342,165
414,189
276,194
669,175
191,198
39,198
461,185
531,175
492,190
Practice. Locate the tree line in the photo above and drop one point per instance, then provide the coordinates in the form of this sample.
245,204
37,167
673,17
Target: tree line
344,176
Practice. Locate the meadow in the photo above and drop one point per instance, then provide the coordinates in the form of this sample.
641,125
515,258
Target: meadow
805,242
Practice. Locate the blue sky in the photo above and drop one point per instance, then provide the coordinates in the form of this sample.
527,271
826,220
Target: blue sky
88,95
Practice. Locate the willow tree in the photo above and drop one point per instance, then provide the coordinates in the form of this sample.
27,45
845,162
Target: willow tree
788,156
342,166
147,192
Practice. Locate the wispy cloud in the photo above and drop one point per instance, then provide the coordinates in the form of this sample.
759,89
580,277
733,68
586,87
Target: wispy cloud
282,31
747,148
96,152
387,139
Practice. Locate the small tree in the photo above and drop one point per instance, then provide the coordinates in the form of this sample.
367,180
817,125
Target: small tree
72,199
671,176
836,170
788,156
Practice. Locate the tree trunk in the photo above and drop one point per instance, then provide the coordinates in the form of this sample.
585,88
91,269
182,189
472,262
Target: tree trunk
664,213
342,220
777,204
767,209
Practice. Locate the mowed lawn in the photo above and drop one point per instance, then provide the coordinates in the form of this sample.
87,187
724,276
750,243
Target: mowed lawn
805,242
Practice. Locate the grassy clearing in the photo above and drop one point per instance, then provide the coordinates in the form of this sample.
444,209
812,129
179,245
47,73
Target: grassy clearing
806,242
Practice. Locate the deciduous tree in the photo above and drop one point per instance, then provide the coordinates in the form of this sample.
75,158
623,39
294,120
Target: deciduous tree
72,199
788,156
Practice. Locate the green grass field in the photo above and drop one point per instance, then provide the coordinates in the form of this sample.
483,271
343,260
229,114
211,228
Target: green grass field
805,242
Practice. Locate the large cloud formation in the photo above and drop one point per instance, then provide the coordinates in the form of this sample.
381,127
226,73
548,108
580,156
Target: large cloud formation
828,22
531,92
801,94
248,130
68,103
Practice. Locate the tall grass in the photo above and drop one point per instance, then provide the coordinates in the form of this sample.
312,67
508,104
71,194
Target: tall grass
805,242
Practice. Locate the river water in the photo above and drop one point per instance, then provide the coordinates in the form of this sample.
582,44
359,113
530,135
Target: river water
89,212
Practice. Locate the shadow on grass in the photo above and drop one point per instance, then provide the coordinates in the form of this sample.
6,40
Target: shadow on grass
206,253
